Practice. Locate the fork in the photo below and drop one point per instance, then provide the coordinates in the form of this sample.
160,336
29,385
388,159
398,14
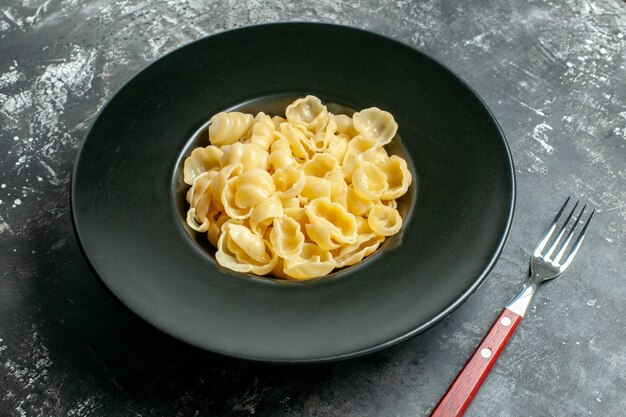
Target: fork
546,263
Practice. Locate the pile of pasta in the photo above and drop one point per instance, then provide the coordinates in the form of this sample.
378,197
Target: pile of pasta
296,197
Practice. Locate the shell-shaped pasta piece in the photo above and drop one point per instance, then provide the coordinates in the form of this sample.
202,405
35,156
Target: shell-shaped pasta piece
201,160
359,144
398,177
362,226
315,187
369,181
280,144
219,182
278,120
253,186
309,112
281,159
384,220
344,125
338,188
321,234
322,138
200,187
264,213
246,191
199,199
341,222
298,214
321,165
192,221
215,228
359,149
299,142
338,146
377,124
226,128
356,204
365,245
289,181
286,237
250,155
280,154
312,262
228,201
241,250
263,131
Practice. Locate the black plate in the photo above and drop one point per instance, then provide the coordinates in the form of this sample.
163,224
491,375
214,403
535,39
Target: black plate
126,201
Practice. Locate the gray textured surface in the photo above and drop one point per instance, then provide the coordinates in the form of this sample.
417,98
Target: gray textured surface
552,72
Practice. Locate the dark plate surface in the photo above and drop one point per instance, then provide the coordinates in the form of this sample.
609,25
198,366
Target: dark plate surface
126,195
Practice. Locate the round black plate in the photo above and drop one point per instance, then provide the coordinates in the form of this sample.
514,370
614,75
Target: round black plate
126,202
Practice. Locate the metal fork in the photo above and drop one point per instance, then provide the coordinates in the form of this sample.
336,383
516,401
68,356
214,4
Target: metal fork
550,258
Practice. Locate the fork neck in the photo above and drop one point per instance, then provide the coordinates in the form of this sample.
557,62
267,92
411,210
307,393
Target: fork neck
519,304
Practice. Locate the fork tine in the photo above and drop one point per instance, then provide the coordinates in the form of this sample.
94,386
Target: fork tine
546,236
569,236
578,242
559,236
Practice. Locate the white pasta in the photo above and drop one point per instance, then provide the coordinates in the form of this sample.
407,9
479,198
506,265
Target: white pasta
228,128
377,124
309,112
201,160
296,197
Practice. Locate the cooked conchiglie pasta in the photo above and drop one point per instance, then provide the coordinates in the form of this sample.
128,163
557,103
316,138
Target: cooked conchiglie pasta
215,228
298,139
322,138
398,177
201,160
308,112
199,200
250,155
341,223
338,188
384,220
297,196
369,181
321,165
344,125
362,226
312,262
264,213
286,237
281,159
359,149
246,191
338,146
219,182
239,249
263,131
376,124
365,245
356,204
315,187
289,181
229,127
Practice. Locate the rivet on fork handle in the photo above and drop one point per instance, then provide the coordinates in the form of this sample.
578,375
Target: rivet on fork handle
468,382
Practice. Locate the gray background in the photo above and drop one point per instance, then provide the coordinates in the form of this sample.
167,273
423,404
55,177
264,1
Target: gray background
553,72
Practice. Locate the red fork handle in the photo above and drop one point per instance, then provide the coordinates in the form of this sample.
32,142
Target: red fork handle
468,382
